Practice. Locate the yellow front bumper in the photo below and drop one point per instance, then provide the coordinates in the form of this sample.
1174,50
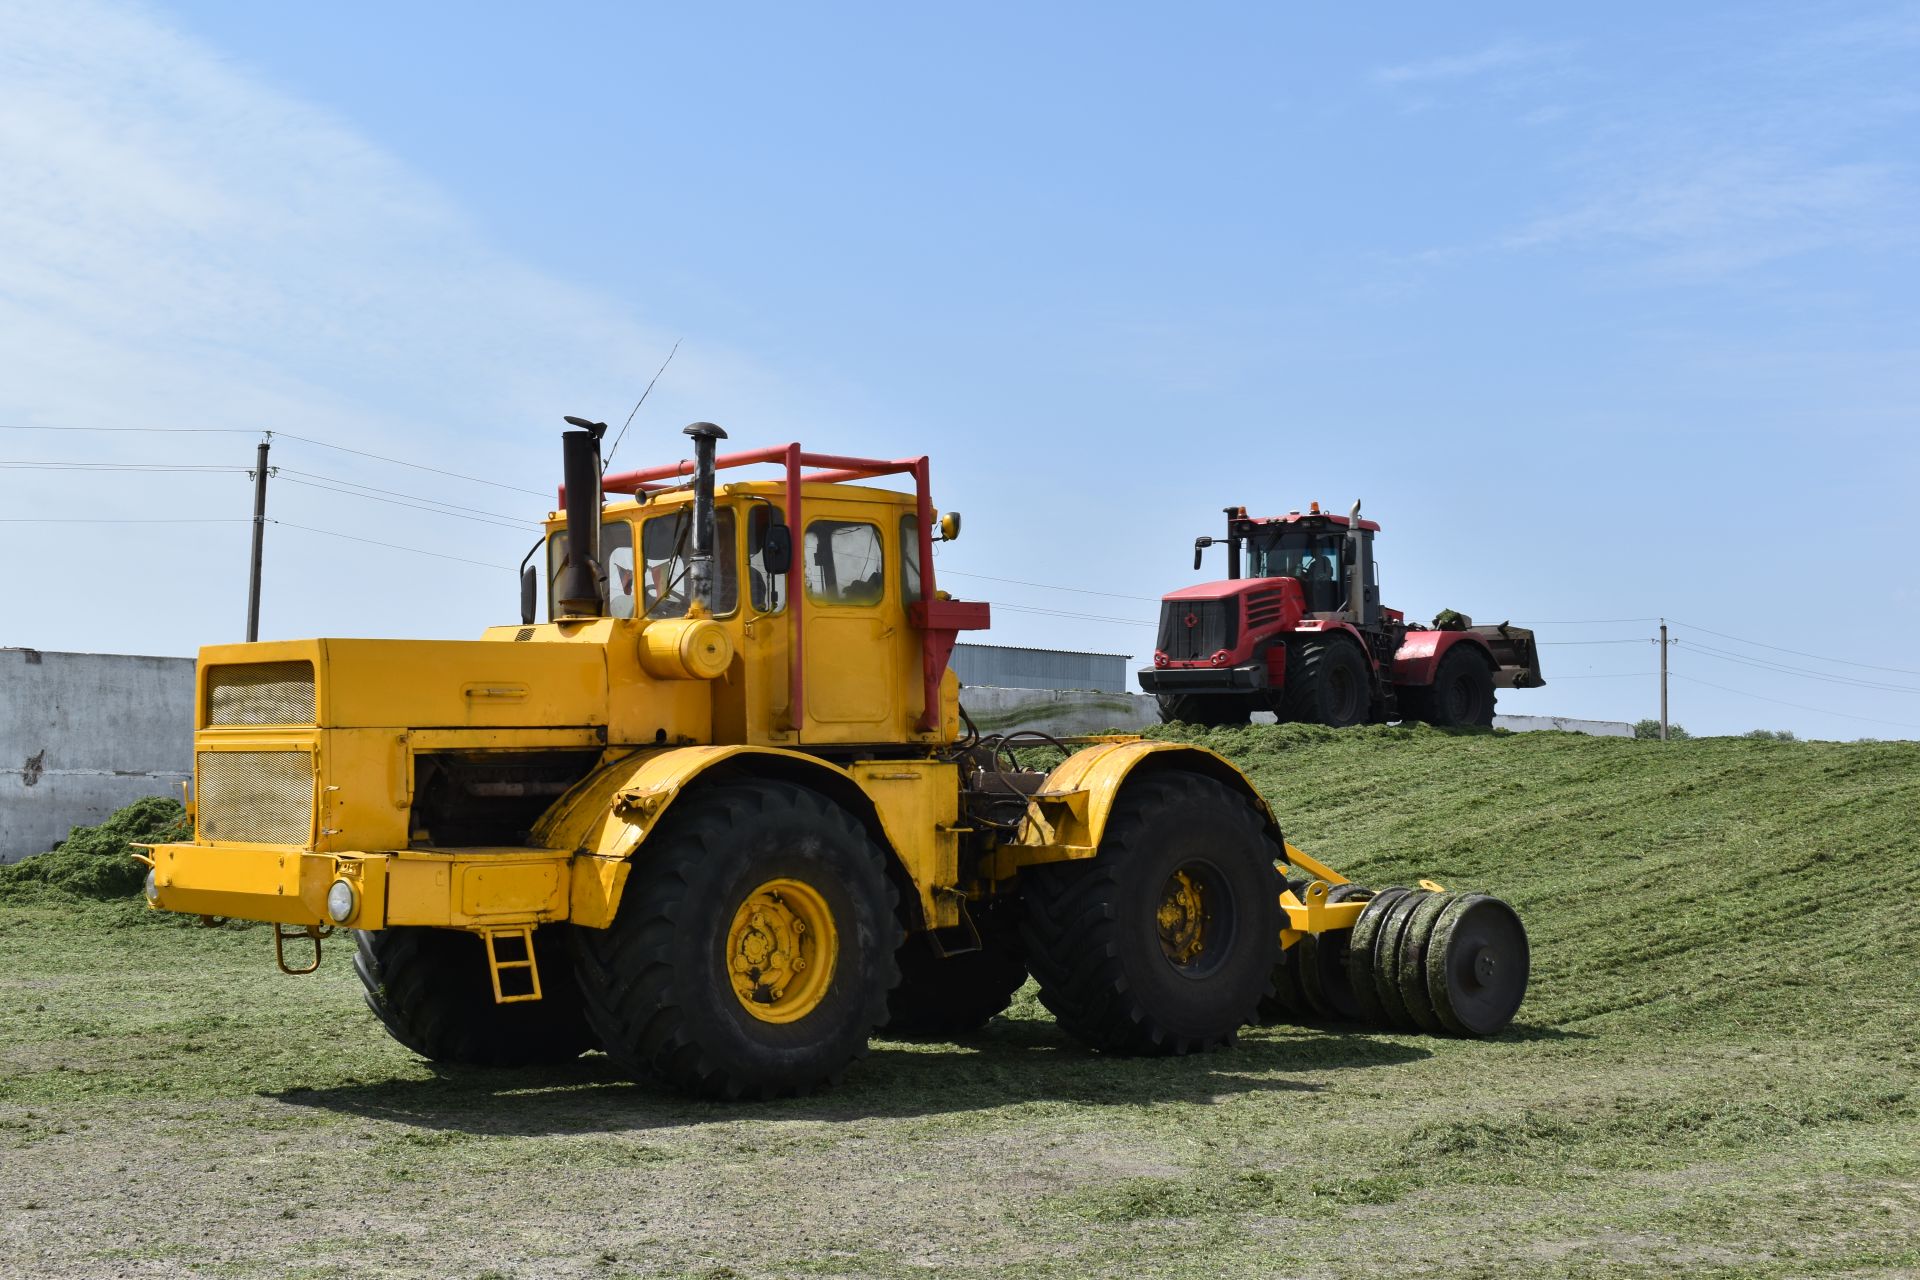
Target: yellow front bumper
462,889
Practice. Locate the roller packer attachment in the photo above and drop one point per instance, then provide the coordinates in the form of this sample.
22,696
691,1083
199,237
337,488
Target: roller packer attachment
1418,958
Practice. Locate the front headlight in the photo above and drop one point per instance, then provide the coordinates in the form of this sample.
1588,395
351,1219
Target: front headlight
152,887
340,901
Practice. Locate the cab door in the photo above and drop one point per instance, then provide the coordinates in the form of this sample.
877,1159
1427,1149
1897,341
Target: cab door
766,637
850,628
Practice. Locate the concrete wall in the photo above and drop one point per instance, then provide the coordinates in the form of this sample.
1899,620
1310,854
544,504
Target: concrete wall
1002,666
1565,724
83,734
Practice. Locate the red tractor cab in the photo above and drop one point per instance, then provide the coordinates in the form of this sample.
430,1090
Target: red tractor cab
1297,629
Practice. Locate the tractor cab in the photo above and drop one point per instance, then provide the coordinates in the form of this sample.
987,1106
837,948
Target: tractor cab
1330,556
788,611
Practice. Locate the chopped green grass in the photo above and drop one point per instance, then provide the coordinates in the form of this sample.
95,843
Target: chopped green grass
1716,1072
97,862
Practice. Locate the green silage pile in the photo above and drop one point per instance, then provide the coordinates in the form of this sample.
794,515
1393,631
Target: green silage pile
1676,885
97,862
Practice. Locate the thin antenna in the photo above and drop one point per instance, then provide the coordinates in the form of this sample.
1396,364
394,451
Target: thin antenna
636,406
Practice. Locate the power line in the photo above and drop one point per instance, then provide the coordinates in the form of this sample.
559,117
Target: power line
12,465
1797,706
1798,653
241,431
459,508
413,506
1634,640
1081,617
391,546
1581,622
372,542
1781,668
288,435
402,462
1045,586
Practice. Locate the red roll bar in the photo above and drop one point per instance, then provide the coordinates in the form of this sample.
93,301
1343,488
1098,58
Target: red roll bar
938,621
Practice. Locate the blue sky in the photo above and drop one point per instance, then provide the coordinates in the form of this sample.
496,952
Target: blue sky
1605,313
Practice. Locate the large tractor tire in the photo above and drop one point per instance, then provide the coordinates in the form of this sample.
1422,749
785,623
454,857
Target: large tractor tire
753,951
1329,682
1165,941
954,994
432,990
1209,710
1462,691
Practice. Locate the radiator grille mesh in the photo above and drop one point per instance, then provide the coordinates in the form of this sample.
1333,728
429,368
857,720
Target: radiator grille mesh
1191,630
261,693
261,796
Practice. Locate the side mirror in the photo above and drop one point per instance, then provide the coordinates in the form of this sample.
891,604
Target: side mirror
776,549
529,596
1199,545
950,526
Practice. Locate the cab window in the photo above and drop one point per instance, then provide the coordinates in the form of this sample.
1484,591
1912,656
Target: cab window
909,558
615,567
666,543
766,592
844,563
1316,560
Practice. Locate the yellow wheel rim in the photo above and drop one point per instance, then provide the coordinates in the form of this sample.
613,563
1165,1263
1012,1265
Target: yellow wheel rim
781,950
1182,918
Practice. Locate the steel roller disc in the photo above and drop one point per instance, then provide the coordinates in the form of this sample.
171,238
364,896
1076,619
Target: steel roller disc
1477,965
1413,960
1323,965
1360,955
1386,960
1306,952
1284,1003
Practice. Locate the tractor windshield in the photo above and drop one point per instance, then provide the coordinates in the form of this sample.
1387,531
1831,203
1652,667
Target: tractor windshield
1316,560
1294,553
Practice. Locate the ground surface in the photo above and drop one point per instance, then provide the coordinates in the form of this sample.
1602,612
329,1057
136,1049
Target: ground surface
1717,1072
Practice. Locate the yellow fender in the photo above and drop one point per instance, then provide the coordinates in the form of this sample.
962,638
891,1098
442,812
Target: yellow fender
608,817
1067,819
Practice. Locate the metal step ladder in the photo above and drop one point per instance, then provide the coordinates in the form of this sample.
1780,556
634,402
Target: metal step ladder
521,972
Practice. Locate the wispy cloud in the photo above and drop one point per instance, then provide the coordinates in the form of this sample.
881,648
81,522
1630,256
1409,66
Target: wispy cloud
1730,211
188,246
1792,144
1501,55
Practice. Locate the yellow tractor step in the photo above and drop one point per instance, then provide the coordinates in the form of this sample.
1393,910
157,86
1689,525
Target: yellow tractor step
522,970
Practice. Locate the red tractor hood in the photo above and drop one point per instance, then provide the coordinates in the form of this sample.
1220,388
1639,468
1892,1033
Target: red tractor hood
1228,587
1218,623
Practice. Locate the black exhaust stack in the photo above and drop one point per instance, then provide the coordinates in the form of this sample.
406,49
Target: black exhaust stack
579,588
700,564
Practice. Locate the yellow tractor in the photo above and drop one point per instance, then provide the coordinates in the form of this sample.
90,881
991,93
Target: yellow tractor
720,815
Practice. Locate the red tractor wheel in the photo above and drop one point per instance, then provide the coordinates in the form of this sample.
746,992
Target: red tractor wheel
1462,692
1329,681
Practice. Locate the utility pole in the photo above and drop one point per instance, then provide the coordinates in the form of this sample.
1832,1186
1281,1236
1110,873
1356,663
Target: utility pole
1663,672
259,540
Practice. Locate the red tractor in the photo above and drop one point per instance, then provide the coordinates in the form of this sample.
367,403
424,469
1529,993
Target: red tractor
1301,633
